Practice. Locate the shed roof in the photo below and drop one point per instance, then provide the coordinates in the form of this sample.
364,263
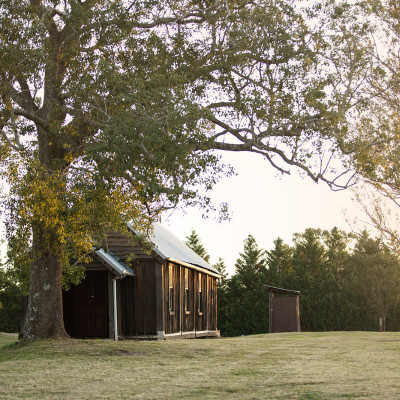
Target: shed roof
112,263
281,290
169,247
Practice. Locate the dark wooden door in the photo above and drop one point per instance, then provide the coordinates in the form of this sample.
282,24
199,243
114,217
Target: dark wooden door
284,317
86,306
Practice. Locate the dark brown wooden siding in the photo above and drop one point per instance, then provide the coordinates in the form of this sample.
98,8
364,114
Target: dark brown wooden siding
191,318
172,313
86,306
126,306
187,314
146,310
212,303
201,301
284,314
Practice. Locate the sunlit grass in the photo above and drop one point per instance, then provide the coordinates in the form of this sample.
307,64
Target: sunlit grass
339,365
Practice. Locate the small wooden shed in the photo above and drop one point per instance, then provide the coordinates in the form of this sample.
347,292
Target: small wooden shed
284,310
170,293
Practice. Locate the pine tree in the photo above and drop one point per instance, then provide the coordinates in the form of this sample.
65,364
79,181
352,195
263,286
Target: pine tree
194,242
222,298
248,301
376,278
221,268
279,262
250,264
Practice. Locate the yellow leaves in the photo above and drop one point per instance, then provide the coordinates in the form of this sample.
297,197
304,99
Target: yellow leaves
72,211
5,150
69,158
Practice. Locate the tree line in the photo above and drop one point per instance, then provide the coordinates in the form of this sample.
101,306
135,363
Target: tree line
347,282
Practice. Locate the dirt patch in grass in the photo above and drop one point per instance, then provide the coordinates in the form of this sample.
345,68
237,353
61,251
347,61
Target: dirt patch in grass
126,352
351,365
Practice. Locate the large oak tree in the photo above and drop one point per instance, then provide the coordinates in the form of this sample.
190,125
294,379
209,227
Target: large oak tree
112,111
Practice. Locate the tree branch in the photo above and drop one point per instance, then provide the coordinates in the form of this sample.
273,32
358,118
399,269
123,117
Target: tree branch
31,116
17,146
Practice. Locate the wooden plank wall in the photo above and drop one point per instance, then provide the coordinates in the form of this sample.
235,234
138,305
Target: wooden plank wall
188,316
172,317
136,300
181,320
201,316
146,297
126,306
284,314
212,303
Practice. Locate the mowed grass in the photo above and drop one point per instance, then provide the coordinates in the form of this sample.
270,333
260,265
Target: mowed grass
341,365
7,338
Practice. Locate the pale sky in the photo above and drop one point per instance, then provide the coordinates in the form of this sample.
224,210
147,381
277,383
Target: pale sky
262,204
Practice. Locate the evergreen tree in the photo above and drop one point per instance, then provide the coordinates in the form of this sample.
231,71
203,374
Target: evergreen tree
279,261
222,297
337,242
376,278
309,262
341,304
194,242
250,264
248,301
10,303
221,268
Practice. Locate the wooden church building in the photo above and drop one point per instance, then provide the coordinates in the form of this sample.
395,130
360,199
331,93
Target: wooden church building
169,293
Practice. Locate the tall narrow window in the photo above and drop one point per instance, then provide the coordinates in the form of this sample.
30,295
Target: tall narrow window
187,290
200,307
171,287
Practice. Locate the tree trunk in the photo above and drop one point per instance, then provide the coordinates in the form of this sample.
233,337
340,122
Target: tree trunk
44,313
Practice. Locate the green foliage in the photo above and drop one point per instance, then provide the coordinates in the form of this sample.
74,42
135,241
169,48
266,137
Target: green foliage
194,242
11,301
221,268
344,284
279,261
222,297
245,302
376,276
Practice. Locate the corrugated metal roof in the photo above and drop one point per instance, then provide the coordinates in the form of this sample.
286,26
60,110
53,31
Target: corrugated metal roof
120,269
168,246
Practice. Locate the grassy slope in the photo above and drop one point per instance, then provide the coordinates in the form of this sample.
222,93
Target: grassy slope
281,366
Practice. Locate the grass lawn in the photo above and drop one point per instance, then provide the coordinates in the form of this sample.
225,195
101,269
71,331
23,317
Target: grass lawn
341,365
7,338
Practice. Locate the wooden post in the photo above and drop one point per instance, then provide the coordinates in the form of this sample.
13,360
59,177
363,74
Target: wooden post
159,300
195,294
298,312
182,298
114,281
271,310
110,306
380,324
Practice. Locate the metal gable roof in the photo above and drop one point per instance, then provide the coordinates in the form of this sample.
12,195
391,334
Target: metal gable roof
168,246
